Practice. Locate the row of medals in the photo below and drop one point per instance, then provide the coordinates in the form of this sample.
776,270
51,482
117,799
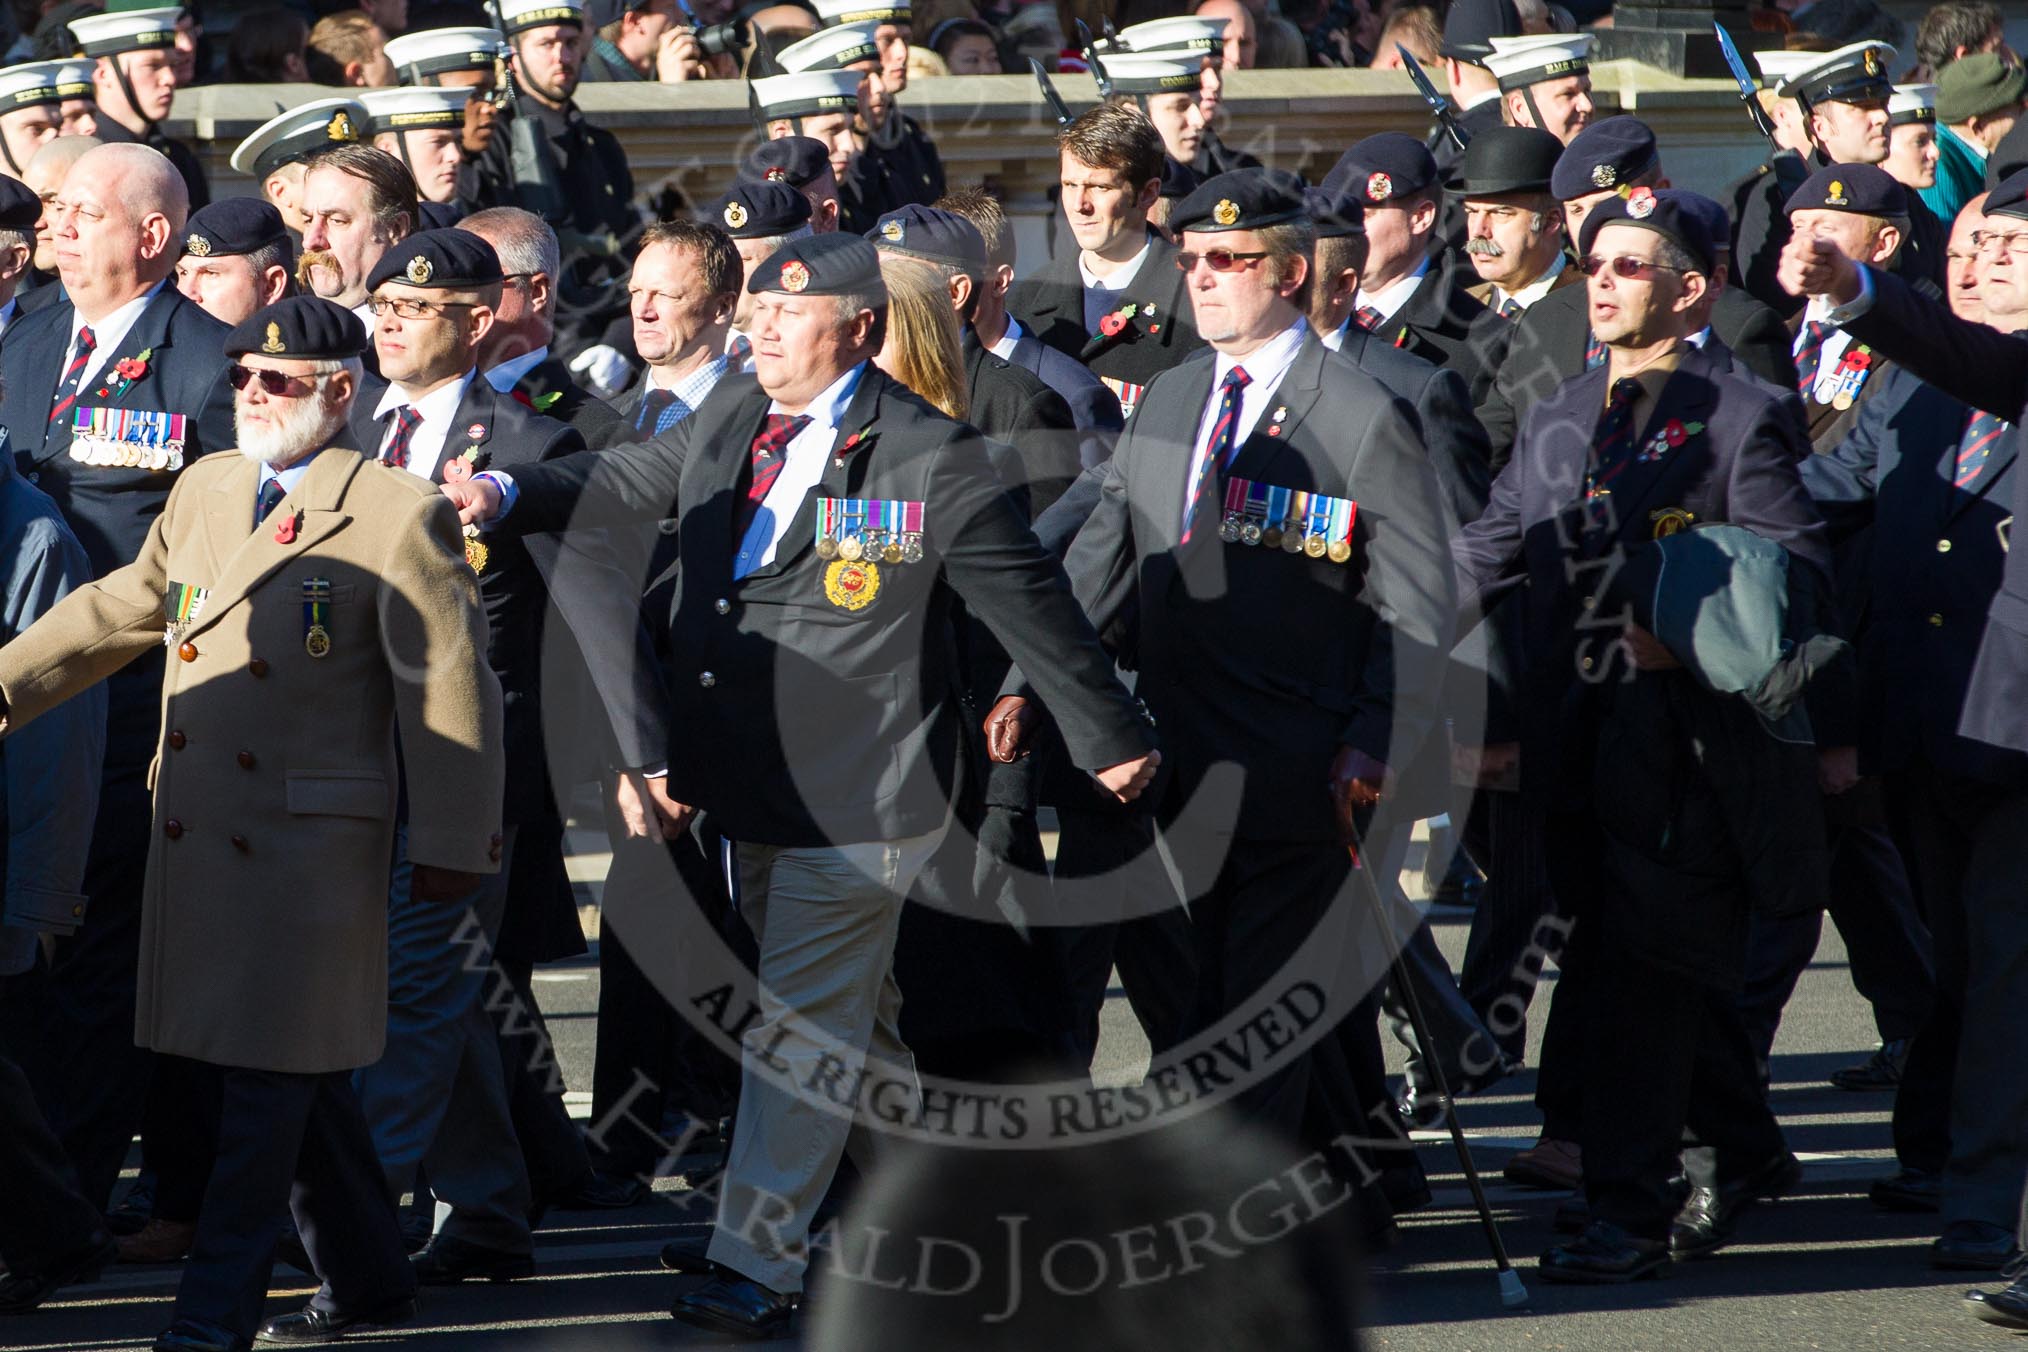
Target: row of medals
873,546
128,454
1236,531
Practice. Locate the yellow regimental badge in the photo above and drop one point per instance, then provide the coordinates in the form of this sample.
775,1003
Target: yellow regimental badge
851,584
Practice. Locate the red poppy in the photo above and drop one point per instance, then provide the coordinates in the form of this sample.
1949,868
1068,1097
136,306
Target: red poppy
285,533
1111,325
1673,434
130,368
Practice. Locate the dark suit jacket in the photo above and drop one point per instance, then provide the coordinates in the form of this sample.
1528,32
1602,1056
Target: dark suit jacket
1986,370
1444,324
1651,757
1050,305
1935,555
1762,231
1094,408
806,722
1255,656
549,389
1827,424
1017,408
1548,349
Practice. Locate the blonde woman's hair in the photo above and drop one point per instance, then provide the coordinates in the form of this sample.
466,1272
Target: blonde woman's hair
923,350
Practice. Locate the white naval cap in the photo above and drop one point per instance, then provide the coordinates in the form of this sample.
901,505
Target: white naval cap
831,13
436,50
1154,72
1187,33
1910,103
807,93
132,30
413,108
1777,64
1853,73
293,133
30,85
518,16
1519,62
830,49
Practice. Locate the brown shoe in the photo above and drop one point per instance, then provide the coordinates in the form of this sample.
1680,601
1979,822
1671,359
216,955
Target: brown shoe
1548,1164
159,1241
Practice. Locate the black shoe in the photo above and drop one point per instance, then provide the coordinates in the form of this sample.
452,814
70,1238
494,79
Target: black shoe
1880,1071
689,1253
1973,1246
1908,1190
21,1292
737,1306
1605,1255
2008,1308
446,1262
602,1192
194,1335
312,1325
1706,1222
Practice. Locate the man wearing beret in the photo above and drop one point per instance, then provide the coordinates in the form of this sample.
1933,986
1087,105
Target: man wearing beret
1978,101
760,216
805,165
290,575
1969,809
1267,487
1645,852
1553,340
20,209
813,691
237,258
1411,293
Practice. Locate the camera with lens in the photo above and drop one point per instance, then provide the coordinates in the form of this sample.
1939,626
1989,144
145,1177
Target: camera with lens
717,39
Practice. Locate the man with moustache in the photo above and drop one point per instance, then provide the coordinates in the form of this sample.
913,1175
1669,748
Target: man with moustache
237,258
296,575
1513,225
134,84
358,202
107,394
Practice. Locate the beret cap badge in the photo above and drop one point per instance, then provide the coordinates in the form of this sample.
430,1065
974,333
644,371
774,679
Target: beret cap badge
274,341
1226,212
1604,175
419,270
1641,204
891,231
795,276
735,215
1378,187
777,174
197,246
1834,196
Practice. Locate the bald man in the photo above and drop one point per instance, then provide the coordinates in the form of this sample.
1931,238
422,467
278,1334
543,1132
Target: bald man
44,176
106,394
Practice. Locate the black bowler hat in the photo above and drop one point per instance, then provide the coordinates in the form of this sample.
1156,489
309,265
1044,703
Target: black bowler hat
2009,196
933,234
1509,159
445,260
822,265
797,161
1334,214
1383,169
1609,153
1669,212
1471,26
20,208
1862,189
232,225
1245,199
759,210
306,327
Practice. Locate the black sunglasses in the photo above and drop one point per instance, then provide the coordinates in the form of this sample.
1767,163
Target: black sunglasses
1623,265
275,383
1218,260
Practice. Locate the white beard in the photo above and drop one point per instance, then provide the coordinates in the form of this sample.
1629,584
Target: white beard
306,427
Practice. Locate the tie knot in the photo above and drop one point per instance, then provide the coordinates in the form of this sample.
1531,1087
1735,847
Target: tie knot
1236,379
1625,390
408,416
84,337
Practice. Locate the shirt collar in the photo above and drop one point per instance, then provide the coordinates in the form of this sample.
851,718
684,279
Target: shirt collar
437,407
508,374
1119,277
691,389
827,408
112,330
1390,298
1536,289
292,476
1266,363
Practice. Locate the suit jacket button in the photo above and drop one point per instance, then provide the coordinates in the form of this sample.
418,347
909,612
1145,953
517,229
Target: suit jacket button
706,679
1943,546
722,606
177,740
239,843
259,666
36,477
246,760
173,829
1936,621
188,652
76,911
1586,664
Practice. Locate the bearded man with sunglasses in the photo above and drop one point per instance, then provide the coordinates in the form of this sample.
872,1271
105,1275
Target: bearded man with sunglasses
1641,772
291,576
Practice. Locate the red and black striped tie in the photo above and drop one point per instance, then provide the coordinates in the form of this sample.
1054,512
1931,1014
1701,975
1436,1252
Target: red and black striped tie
73,375
406,420
770,453
1810,354
1975,448
1218,451
1367,317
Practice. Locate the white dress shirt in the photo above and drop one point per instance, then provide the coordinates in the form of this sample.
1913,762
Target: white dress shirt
1836,342
507,374
439,410
107,335
1004,349
1265,367
1390,298
1535,290
802,467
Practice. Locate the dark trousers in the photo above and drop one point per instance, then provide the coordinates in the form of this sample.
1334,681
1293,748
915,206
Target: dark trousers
1874,908
1968,838
291,1143
43,1216
551,1144
1517,925
179,1134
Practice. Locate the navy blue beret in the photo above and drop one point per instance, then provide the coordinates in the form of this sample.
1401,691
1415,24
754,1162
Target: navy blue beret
759,209
306,327
446,260
2009,196
1335,214
20,208
1179,180
1609,153
1383,169
1245,199
928,232
231,225
821,265
1863,189
1684,217
797,161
